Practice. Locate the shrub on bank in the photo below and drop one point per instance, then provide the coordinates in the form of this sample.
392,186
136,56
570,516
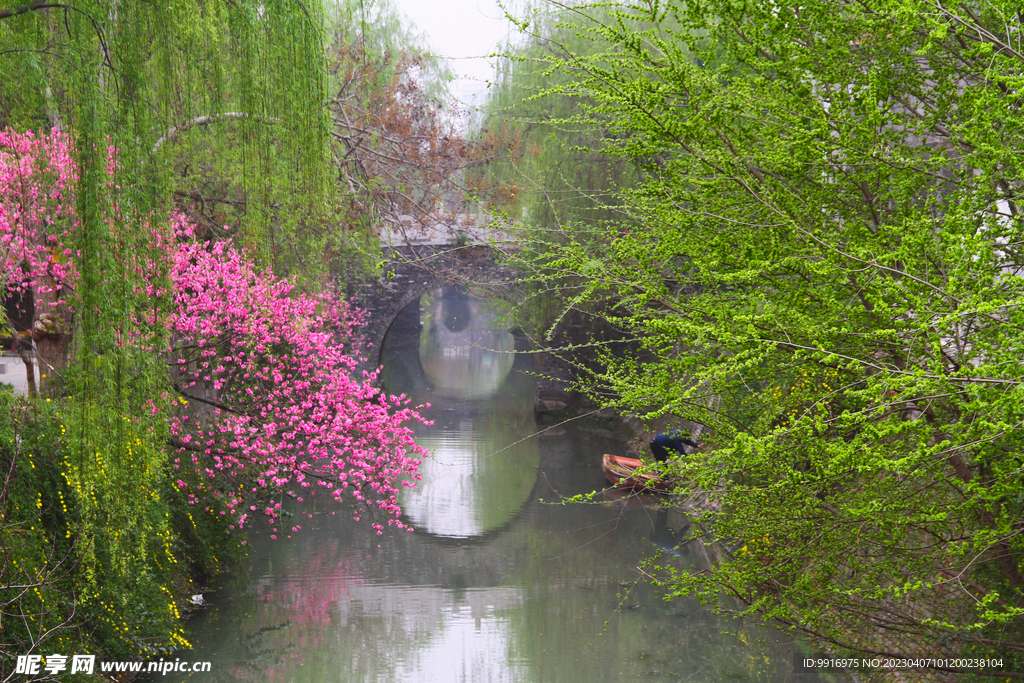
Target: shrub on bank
93,560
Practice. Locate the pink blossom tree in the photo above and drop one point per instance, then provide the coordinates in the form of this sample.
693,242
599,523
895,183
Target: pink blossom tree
266,400
37,177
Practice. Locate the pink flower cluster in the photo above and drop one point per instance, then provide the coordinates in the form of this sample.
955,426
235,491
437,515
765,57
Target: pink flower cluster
267,398
266,403
37,177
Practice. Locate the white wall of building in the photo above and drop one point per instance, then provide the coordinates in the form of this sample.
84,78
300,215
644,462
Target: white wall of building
12,372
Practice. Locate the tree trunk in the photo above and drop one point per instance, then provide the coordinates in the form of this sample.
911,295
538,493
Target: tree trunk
51,334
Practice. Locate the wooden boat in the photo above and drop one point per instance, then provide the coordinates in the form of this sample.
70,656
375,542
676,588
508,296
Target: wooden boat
621,473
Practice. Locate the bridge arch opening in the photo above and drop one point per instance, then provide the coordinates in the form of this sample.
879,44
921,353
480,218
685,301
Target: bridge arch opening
410,272
452,350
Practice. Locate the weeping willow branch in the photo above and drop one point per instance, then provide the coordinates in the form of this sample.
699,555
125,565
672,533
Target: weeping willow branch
172,133
35,6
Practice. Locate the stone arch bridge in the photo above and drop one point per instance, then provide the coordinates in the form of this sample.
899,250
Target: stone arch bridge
413,270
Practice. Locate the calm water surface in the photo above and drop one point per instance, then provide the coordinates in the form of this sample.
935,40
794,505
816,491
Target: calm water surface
498,583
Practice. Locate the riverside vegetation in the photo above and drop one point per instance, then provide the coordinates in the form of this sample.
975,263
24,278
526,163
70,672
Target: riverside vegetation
804,218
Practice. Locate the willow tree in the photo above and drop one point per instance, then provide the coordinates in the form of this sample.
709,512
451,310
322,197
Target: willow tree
178,89
545,164
823,264
149,96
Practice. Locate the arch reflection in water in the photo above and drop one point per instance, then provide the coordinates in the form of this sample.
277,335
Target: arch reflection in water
483,464
470,486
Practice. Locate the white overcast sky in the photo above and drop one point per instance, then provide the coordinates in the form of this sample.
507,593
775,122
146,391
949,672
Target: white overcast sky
465,32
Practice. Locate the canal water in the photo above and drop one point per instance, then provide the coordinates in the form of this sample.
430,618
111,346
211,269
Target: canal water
499,582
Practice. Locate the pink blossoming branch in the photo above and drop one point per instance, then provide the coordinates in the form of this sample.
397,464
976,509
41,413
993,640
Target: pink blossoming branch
37,177
266,400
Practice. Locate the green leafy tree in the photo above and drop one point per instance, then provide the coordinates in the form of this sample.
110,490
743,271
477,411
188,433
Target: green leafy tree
545,164
823,265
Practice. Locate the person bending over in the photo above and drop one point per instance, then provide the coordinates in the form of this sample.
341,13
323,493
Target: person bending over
671,441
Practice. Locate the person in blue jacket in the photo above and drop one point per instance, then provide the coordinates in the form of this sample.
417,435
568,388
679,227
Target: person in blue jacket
671,441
